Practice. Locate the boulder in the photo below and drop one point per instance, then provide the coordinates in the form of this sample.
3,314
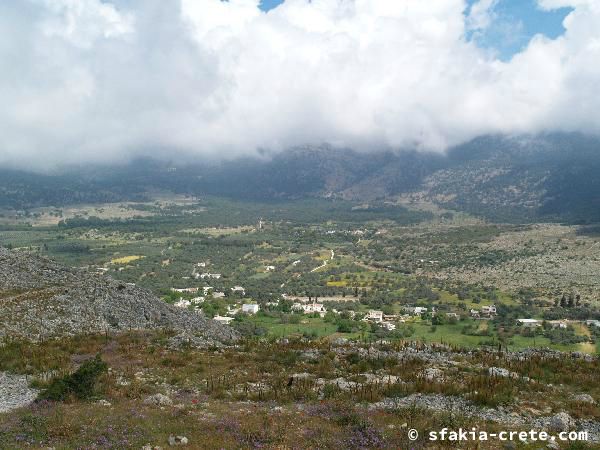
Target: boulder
178,440
561,422
158,400
584,398
499,372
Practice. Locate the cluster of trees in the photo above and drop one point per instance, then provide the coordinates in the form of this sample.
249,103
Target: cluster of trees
570,301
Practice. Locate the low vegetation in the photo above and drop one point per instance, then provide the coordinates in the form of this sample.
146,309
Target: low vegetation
270,393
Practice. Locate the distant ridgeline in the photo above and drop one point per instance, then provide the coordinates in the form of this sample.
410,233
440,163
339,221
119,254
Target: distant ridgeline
515,179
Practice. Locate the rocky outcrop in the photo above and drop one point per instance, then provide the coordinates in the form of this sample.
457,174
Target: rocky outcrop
41,299
561,422
158,400
462,407
15,392
584,398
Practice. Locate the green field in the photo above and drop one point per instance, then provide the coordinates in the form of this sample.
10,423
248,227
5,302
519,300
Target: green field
382,257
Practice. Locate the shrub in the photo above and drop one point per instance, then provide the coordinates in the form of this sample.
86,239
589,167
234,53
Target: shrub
80,383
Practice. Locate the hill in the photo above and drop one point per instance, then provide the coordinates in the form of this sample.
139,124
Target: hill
41,299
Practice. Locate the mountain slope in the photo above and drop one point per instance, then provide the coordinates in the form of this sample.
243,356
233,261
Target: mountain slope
550,178
519,179
41,299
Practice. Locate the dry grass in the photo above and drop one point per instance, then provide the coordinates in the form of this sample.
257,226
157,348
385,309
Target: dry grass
242,397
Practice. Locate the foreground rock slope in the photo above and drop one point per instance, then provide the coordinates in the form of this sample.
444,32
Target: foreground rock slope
41,299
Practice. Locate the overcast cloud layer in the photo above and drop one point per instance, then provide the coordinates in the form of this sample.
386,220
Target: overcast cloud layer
92,80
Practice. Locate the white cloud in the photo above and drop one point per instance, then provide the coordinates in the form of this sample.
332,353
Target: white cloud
83,22
481,14
91,80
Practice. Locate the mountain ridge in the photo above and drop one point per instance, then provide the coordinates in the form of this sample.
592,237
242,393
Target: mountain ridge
546,177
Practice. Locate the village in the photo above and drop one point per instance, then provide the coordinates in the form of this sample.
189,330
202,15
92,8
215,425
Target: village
229,304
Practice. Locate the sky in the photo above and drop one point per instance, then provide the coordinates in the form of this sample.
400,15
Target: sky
514,23
96,81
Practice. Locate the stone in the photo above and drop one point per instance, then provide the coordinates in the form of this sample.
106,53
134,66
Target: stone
301,376
158,400
178,440
15,392
340,382
584,398
433,374
498,372
561,422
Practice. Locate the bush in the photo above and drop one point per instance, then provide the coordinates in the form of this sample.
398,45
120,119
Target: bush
249,329
80,383
567,336
348,326
403,331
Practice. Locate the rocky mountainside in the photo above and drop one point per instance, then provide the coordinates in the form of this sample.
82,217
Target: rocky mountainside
41,299
515,179
519,179
504,178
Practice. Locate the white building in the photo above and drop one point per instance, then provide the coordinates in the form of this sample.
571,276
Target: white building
529,323
314,308
223,319
388,326
238,290
419,310
557,324
270,268
218,294
193,290
374,316
215,276
489,310
250,308
415,310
